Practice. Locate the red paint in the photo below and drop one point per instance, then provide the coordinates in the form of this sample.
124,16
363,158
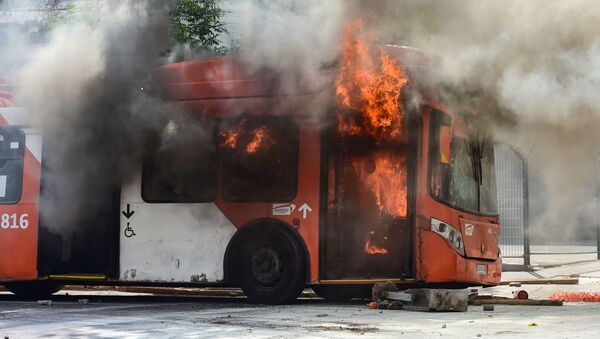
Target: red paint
18,247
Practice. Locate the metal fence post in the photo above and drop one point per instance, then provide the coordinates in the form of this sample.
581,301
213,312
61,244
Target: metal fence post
526,247
598,206
598,241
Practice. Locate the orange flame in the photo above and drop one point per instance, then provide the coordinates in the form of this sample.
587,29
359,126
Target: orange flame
371,248
373,91
385,175
259,137
229,138
369,88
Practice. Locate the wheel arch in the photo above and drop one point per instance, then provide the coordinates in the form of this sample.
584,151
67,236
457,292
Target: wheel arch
250,228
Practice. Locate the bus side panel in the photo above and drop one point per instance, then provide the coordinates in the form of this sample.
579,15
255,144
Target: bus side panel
302,212
19,222
171,242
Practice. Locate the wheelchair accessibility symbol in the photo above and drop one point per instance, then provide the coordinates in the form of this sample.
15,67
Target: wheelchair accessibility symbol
129,231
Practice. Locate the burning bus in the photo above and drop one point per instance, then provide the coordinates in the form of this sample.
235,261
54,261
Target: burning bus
271,198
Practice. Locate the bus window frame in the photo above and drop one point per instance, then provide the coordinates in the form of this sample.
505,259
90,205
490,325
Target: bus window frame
431,156
23,139
219,158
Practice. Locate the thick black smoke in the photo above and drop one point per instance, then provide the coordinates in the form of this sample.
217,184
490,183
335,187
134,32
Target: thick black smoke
83,88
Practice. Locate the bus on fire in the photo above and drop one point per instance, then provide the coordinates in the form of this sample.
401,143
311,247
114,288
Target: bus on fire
274,198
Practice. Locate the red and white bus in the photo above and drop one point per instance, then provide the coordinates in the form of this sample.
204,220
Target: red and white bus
270,196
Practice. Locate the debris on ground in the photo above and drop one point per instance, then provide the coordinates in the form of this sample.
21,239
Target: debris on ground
520,294
575,296
572,280
183,291
518,302
83,301
395,305
388,296
380,290
488,308
45,302
519,298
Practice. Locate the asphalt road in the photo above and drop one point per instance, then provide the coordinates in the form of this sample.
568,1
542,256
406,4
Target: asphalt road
122,315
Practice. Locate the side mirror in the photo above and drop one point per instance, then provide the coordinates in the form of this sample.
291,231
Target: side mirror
445,144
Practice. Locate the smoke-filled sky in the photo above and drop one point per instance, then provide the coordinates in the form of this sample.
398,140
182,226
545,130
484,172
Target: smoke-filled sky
532,66
82,88
535,64
540,62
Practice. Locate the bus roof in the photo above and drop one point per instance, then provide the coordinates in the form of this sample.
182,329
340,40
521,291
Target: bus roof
212,78
229,77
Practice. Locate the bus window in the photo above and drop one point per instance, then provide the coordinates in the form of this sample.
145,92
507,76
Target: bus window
181,166
439,162
488,203
467,181
259,159
463,183
12,150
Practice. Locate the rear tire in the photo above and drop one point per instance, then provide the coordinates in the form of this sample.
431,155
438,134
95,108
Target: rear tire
37,289
270,265
343,292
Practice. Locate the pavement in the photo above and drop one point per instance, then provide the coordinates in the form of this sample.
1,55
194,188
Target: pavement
111,314
582,269
95,313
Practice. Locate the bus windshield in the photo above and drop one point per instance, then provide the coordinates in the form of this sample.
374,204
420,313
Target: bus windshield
467,179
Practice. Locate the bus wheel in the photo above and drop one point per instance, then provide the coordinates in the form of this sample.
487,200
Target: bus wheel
38,289
343,292
271,268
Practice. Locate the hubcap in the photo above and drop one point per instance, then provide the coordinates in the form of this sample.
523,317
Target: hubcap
267,266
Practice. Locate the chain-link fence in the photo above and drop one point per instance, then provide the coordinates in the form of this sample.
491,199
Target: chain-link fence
521,195
581,238
510,171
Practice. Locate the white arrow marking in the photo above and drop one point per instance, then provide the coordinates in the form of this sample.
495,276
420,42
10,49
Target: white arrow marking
304,209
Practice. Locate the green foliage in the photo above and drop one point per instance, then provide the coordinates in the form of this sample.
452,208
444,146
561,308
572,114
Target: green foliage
57,12
198,23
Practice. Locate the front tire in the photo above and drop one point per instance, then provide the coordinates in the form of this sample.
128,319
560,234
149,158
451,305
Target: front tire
37,289
270,265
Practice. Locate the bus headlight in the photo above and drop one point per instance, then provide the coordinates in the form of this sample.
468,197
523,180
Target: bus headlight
450,233
458,243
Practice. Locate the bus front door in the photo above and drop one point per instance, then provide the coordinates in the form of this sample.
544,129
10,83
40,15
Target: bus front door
366,233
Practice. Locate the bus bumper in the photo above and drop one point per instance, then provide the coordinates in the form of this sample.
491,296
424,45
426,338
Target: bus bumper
438,263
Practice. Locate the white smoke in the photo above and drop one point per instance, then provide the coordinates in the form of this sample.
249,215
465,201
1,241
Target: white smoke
536,63
532,66
540,62
300,40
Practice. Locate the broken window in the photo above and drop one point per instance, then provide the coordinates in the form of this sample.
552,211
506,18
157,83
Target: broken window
259,159
466,178
182,165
